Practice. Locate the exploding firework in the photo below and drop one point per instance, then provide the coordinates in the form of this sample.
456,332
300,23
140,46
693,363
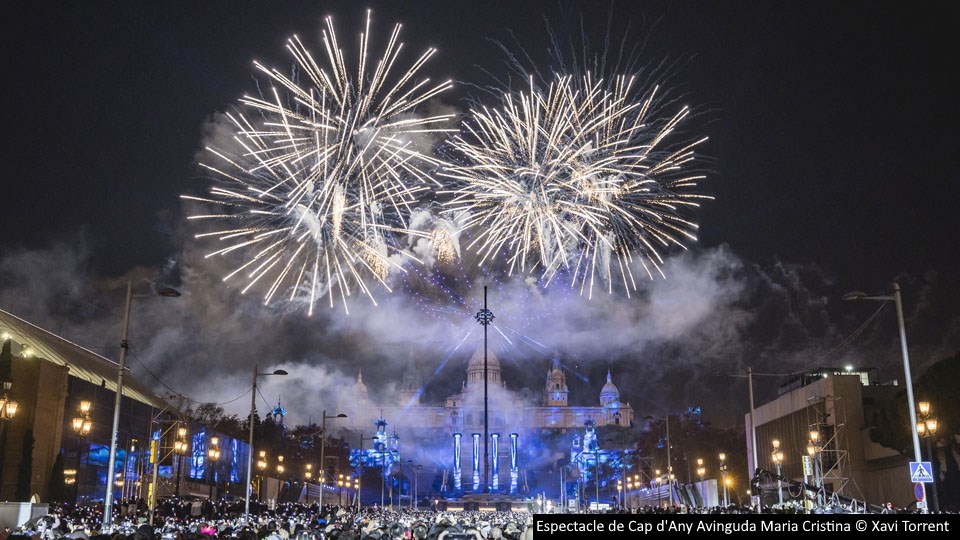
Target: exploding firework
581,176
326,169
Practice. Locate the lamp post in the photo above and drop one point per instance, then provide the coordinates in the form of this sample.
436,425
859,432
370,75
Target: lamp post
485,317
261,469
656,482
416,475
813,450
82,425
8,406
927,429
701,472
213,453
666,420
253,411
859,295
777,457
180,447
114,431
323,447
723,476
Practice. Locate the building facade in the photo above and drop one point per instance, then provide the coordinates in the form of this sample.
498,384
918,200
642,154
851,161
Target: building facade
462,412
835,404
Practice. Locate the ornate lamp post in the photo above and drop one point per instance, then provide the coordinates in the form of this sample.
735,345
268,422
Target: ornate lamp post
927,429
701,472
777,457
813,450
180,448
723,476
82,426
213,454
261,469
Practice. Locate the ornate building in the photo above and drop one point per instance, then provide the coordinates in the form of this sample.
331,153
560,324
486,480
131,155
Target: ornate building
462,412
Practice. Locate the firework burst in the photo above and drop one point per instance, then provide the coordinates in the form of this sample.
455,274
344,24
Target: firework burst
582,176
327,166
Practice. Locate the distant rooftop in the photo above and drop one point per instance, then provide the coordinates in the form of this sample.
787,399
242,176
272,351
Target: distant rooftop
867,377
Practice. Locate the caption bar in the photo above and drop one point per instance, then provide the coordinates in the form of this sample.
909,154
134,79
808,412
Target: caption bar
570,525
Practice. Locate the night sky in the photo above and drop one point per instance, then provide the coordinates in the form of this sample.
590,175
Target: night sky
833,130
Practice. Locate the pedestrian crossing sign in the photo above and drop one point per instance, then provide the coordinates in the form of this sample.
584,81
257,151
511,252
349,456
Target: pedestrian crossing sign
920,472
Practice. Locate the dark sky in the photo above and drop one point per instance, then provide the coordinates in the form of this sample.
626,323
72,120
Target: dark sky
832,125
833,130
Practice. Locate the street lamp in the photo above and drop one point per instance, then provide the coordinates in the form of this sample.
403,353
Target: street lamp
114,432
813,450
701,472
180,447
777,457
82,426
666,419
213,453
859,295
723,474
8,406
261,469
323,447
280,465
253,411
416,476
927,429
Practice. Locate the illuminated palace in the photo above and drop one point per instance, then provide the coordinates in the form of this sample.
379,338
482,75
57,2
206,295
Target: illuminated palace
462,412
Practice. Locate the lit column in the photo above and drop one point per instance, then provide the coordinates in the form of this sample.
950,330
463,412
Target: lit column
456,462
476,462
514,470
495,465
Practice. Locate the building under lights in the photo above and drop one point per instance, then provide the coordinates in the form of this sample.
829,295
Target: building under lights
838,405
57,443
462,412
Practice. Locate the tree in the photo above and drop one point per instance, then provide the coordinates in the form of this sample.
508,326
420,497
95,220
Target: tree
55,488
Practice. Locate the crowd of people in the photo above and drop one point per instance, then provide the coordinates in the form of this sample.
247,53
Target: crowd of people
176,520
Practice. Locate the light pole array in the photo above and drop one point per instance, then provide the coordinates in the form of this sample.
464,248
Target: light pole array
859,295
777,457
927,429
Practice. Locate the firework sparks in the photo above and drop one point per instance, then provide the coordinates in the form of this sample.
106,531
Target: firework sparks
323,181
580,177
